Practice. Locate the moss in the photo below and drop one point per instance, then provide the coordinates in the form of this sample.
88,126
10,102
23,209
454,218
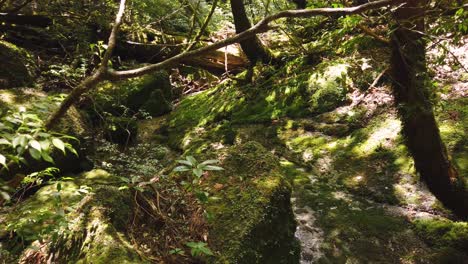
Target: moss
152,93
443,233
157,104
148,95
97,231
290,91
252,218
16,65
96,221
329,87
452,117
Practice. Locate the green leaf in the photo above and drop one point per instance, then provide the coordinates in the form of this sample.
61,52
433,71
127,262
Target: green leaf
181,168
207,162
213,168
191,159
36,154
3,160
197,172
45,144
202,196
35,144
58,143
71,149
47,157
4,142
199,248
19,140
186,162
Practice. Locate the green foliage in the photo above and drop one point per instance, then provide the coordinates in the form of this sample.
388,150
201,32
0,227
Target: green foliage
53,222
197,169
68,74
23,135
198,249
191,164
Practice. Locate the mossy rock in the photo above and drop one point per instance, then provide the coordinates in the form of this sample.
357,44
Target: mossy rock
152,94
329,87
96,220
121,130
15,65
444,233
157,104
252,221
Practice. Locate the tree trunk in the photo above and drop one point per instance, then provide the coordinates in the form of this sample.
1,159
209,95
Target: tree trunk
419,126
252,47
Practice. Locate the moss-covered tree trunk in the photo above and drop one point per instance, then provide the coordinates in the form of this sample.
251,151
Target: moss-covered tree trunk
252,47
420,129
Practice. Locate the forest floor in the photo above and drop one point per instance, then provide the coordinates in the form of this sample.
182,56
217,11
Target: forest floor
334,131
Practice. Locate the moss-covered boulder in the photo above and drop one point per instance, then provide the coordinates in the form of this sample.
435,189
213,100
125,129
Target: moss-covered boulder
158,104
16,66
82,221
328,87
152,94
252,220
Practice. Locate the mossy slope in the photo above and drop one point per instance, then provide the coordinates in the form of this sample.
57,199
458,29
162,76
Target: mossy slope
354,171
252,217
94,222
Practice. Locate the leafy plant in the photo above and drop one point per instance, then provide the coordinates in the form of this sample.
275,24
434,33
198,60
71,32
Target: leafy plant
177,251
22,134
197,169
53,223
198,249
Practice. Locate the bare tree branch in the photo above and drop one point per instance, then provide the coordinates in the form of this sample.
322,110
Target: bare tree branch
104,73
90,82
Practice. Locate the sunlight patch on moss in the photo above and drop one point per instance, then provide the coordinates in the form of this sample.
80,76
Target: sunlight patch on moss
386,131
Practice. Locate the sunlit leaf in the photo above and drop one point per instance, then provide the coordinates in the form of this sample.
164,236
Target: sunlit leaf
36,154
58,143
207,162
186,162
198,172
35,144
3,160
191,159
181,168
213,168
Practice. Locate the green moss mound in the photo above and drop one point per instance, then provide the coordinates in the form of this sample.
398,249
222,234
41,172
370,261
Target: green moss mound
252,219
290,91
81,225
151,94
16,65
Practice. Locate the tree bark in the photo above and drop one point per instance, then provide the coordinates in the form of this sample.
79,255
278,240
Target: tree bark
419,127
252,47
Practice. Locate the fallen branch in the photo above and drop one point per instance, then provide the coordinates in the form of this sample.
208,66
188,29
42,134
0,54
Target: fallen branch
371,33
104,73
